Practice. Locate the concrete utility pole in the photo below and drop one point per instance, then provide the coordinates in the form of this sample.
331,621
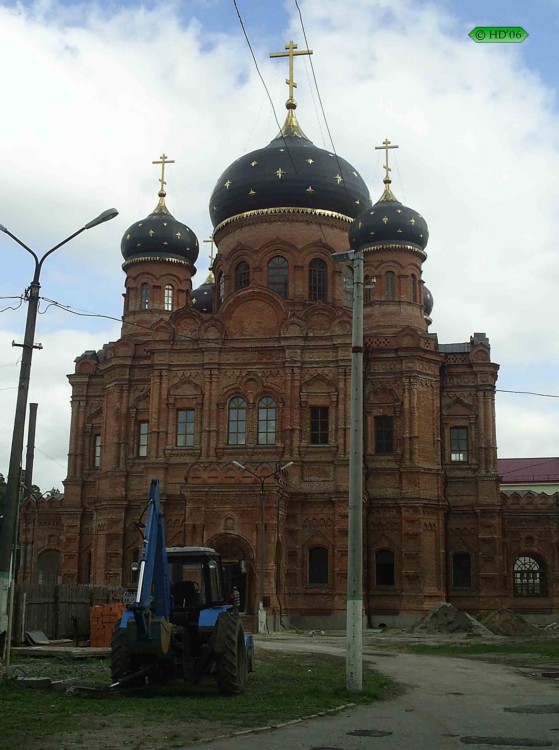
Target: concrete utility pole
354,633
262,542
8,527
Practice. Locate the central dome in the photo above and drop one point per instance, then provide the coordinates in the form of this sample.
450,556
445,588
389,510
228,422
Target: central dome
289,173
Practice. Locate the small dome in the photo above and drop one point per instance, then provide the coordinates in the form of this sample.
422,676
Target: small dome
160,235
428,302
290,172
389,222
201,299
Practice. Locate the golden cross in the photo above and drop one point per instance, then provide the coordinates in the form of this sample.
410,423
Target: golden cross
163,160
211,240
386,145
291,47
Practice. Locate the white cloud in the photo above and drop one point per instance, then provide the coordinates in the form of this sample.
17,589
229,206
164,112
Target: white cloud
93,94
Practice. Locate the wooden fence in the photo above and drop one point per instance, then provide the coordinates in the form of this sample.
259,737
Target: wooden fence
58,611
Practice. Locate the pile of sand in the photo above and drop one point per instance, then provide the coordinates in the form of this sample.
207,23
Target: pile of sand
506,622
444,618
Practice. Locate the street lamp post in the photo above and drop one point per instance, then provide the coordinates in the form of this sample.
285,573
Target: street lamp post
354,612
262,541
8,526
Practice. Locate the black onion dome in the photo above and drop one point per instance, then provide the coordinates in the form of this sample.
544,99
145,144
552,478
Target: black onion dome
201,299
428,302
160,235
389,222
289,173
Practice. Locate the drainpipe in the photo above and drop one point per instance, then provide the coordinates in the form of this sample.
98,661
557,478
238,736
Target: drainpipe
445,483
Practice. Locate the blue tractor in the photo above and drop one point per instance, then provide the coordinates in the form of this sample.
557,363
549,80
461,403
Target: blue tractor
180,623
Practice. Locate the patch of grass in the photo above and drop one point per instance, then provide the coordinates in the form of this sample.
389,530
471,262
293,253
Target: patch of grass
284,686
539,650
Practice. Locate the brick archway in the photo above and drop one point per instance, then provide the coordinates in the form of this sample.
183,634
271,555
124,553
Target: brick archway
237,557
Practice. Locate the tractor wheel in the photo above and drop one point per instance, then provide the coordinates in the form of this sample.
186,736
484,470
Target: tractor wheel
122,662
231,655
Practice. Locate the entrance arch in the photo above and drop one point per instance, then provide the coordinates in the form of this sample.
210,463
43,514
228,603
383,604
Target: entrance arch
237,558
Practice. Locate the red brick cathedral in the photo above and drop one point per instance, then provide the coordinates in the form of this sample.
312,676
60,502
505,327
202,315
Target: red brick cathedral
214,390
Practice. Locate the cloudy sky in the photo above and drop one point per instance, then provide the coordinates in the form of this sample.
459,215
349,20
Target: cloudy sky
93,92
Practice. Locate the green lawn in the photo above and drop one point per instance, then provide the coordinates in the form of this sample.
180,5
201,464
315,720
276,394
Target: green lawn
540,651
282,687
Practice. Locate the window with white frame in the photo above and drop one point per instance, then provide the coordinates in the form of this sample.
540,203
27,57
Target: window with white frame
185,428
168,297
266,421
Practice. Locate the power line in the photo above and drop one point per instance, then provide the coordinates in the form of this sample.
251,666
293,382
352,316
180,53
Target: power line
255,62
84,314
527,393
51,458
318,91
523,468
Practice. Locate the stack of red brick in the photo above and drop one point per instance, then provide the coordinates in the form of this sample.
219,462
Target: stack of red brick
102,621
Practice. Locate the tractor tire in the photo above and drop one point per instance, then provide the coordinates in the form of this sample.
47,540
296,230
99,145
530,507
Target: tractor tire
231,655
122,662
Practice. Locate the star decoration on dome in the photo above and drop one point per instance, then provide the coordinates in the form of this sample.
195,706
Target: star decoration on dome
165,243
279,173
140,225
128,236
253,163
164,223
178,235
339,178
399,231
151,232
412,222
227,184
398,210
358,202
385,219
252,192
309,161
310,189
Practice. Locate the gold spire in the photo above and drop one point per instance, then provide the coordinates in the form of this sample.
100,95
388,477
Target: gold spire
387,195
211,277
161,208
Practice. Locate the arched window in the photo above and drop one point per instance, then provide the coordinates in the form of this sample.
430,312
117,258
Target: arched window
144,297
318,566
47,566
461,570
413,288
318,288
367,290
242,275
348,286
384,567
278,275
266,421
389,285
168,297
529,576
236,434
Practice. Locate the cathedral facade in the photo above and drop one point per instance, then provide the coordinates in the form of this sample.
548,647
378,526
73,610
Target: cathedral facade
236,396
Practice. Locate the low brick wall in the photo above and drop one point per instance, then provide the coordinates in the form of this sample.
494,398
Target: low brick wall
102,621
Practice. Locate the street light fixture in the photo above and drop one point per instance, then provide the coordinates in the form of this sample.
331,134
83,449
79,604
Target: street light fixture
354,611
262,543
8,525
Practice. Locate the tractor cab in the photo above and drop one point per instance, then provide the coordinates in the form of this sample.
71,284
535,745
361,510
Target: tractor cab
195,580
